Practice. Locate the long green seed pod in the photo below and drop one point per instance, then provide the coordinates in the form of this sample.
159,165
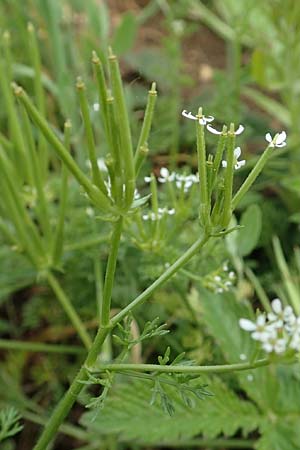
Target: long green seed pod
93,192
124,129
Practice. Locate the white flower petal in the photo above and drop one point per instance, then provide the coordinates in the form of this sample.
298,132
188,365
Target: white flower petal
283,144
212,130
281,138
188,115
224,164
240,164
164,172
147,179
261,320
268,137
247,325
237,152
239,130
277,306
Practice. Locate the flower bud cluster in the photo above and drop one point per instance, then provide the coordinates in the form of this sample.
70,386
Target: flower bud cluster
161,212
277,331
220,281
182,182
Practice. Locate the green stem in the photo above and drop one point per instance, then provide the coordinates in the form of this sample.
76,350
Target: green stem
252,177
93,192
35,58
75,388
110,273
228,181
201,152
71,395
69,309
57,249
152,95
96,174
86,243
124,129
66,428
223,368
291,287
40,347
180,262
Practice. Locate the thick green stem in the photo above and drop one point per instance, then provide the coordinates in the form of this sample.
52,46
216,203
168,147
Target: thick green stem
70,397
110,273
70,311
223,368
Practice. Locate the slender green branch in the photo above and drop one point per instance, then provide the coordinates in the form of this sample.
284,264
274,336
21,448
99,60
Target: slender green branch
142,143
93,192
252,176
40,347
180,262
96,174
35,57
69,309
58,241
85,243
110,272
228,181
223,368
66,403
124,128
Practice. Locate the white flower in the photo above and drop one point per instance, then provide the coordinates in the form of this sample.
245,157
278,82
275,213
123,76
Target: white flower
165,175
238,164
186,181
160,213
214,131
278,141
280,315
203,119
259,329
96,107
295,342
274,343
101,164
147,179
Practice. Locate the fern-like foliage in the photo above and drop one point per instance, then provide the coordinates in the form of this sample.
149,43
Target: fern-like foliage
9,423
129,414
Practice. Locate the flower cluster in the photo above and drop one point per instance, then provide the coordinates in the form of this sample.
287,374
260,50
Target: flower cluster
278,331
159,215
221,280
182,182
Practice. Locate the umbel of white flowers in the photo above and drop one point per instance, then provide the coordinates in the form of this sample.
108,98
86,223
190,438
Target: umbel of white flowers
277,331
